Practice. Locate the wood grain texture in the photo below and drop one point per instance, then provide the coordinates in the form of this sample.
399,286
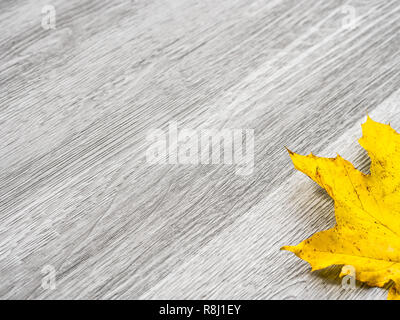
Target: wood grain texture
76,105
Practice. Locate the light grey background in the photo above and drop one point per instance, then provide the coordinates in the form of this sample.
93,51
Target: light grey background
77,102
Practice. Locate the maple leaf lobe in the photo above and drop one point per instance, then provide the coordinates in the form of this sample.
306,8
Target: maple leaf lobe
367,210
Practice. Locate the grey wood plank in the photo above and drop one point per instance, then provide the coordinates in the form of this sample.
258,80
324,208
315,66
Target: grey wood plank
77,102
244,260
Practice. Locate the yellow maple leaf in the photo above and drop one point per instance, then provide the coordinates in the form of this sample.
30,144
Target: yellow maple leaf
367,209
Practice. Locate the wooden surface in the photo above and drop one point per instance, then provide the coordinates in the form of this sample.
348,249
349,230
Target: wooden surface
76,103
